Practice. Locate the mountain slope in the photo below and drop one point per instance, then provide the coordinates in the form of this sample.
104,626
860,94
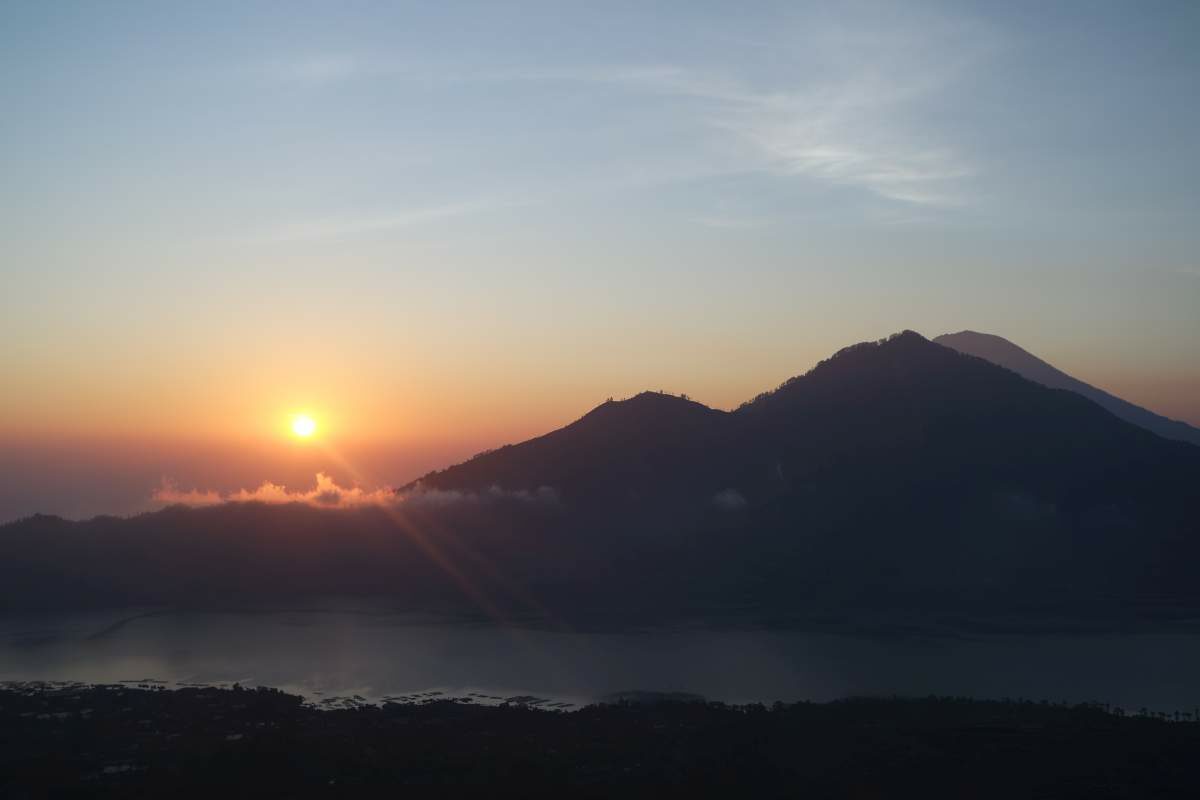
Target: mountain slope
620,452
1006,354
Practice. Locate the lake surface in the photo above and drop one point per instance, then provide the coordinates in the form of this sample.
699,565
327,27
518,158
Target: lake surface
321,654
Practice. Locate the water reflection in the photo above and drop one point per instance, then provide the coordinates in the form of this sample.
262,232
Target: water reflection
375,655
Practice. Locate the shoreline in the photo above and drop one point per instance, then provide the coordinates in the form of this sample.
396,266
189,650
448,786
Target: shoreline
193,742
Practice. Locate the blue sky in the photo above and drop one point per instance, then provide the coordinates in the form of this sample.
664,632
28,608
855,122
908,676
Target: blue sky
213,210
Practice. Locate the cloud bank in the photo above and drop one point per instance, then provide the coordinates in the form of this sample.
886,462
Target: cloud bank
328,494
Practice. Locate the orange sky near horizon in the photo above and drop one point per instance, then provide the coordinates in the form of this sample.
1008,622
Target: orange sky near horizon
438,238
361,401
94,442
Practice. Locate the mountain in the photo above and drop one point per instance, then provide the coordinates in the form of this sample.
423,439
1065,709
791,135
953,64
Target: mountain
618,453
898,411
897,473
1003,352
897,479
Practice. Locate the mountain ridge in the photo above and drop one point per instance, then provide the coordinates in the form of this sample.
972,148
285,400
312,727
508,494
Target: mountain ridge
896,390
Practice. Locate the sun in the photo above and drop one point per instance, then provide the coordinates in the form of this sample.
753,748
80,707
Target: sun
303,426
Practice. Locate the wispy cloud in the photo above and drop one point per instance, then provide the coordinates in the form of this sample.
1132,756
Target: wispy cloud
842,100
852,132
846,99
843,142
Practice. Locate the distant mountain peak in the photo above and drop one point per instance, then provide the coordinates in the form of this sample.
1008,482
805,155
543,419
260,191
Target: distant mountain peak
970,333
1004,353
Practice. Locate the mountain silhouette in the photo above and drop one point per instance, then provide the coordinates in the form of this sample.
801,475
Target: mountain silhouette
619,452
897,411
896,478
999,350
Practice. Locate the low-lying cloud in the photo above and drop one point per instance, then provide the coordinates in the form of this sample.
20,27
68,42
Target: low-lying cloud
327,493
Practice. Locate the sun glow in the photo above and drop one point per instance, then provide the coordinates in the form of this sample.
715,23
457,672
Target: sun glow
303,426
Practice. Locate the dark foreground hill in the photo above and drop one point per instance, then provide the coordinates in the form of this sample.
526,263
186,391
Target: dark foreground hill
898,478
999,350
121,742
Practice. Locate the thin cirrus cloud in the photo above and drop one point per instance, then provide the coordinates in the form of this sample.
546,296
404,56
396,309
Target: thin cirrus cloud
851,132
844,104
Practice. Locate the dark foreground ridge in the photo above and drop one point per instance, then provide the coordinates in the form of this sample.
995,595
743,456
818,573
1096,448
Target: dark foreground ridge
205,742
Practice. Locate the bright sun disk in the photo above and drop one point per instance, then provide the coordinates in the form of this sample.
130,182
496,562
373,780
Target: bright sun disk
303,425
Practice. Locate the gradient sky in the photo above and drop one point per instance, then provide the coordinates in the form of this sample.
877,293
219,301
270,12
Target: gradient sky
443,226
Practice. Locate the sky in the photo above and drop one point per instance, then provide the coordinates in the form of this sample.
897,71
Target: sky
439,227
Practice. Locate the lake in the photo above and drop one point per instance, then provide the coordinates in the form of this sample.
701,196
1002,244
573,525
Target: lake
326,653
